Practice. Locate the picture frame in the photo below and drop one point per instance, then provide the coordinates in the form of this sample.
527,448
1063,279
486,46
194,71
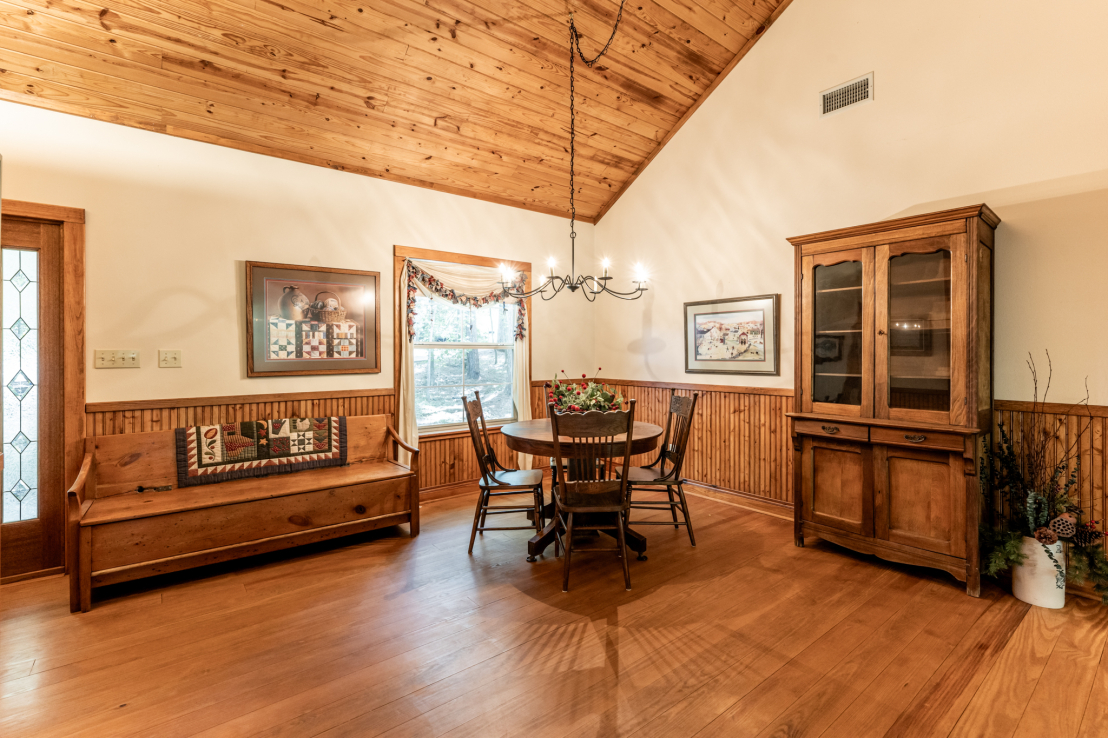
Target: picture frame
304,320
738,335
828,348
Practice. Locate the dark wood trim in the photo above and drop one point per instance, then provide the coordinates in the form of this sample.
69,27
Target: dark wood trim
759,33
973,211
38,211
125,405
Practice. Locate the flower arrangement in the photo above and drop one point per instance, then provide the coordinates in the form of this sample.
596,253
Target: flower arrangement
572,396
1027,485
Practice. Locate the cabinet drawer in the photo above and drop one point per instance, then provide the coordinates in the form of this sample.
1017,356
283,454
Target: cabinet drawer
832,429
917,438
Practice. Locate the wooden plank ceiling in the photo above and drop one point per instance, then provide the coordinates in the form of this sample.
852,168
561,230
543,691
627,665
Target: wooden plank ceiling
463,96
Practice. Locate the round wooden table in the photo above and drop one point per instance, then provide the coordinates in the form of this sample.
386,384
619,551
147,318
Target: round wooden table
536,437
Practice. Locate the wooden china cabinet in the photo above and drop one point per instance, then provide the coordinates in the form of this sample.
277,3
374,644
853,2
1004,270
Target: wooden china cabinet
894,386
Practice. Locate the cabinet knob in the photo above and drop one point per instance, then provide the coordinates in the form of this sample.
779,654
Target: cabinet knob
881,332
830,429
914,439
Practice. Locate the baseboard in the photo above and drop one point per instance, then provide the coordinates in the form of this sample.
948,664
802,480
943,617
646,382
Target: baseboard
773,508
55,571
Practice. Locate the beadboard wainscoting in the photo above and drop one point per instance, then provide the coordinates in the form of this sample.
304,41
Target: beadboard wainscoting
739,450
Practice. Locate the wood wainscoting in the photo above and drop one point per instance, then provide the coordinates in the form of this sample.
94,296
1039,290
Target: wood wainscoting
739,445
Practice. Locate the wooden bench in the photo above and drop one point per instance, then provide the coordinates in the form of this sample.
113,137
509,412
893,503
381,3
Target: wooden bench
123,522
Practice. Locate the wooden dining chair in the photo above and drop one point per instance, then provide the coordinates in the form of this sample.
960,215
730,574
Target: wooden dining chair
588,494
497,480
655,477
554,468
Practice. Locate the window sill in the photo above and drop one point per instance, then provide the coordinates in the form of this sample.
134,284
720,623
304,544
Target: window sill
459,432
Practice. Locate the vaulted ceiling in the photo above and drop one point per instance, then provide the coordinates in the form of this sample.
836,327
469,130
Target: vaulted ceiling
463,96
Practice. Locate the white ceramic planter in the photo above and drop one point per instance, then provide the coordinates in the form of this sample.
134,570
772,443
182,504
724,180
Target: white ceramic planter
1035,581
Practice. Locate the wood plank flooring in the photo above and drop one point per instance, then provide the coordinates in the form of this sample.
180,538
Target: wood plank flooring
744,635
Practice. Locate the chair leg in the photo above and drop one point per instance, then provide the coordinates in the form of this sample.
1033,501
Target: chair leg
569,550
685,512
623,555
484,512
672,506
477,517
538,509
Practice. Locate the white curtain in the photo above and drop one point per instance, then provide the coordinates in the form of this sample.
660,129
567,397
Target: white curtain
474,281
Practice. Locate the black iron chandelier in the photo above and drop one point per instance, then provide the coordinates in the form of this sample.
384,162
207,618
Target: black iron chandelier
551,284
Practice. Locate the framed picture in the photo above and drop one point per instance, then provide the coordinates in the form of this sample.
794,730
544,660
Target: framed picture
828,349
739,335
910,338
311,320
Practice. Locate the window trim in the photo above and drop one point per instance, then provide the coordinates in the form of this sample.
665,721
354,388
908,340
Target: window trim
402,254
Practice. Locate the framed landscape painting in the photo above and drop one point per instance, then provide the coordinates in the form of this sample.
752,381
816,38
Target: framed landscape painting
738,335
311,320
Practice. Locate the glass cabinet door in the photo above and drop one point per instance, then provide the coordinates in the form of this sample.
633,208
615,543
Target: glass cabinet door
915,295
839,357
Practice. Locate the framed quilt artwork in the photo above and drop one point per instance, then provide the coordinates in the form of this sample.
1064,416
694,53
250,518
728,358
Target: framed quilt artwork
311,320
738,335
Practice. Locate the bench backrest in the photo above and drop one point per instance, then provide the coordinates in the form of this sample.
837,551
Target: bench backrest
126,461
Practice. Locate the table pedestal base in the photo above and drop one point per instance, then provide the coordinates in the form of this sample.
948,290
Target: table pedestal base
537,545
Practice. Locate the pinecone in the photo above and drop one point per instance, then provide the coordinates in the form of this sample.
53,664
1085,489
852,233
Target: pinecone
1087,534
1065,525
1046,536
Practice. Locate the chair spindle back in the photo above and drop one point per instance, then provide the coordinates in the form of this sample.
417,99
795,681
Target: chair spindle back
590,452
678,429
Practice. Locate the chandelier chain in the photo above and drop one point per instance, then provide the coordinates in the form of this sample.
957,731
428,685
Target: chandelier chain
575,45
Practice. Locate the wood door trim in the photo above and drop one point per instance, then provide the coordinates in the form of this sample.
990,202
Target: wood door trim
125,405
72,340
39,211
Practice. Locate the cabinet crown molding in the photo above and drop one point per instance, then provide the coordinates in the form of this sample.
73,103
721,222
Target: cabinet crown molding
972,211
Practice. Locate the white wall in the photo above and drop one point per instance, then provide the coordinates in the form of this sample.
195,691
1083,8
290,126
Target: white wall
976,101
170,223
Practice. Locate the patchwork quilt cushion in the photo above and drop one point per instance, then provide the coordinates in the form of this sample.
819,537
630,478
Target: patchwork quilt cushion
258,448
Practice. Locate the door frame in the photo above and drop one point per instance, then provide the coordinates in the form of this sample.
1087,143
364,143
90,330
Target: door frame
72,222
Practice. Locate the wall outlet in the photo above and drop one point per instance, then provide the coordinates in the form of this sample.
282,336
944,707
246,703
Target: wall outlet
169,358
115,359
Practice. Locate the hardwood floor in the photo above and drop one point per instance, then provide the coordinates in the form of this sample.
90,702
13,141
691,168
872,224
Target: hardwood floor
745,635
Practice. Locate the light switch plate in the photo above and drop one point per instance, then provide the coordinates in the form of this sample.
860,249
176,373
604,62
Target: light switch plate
169,358
115,359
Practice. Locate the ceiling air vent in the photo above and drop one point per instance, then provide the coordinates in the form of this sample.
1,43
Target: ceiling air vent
851,93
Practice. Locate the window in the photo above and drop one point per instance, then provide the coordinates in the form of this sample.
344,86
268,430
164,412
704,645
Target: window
457,350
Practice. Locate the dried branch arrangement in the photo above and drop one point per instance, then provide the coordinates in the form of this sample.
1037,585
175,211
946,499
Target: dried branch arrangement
1028,480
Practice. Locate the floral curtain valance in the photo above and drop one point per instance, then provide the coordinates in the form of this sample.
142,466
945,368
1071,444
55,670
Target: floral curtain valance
472,278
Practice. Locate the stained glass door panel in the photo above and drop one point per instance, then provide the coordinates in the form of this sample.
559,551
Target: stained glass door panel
20,378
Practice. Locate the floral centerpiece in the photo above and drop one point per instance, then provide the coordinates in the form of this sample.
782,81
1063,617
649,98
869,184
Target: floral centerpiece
573,396
1028,483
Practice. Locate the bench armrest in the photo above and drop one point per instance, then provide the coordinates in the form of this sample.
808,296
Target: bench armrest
76,506
398,441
